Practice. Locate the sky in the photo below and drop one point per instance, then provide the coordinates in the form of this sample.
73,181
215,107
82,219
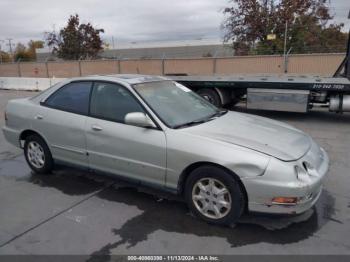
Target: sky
125,20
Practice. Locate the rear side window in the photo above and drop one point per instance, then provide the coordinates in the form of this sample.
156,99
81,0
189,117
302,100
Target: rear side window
112,102
73,97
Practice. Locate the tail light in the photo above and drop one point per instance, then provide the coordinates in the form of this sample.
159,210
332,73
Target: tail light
5,116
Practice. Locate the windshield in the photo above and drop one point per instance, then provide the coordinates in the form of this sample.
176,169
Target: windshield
176,105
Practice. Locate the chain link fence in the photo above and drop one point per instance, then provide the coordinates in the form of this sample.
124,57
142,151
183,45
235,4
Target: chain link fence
316,64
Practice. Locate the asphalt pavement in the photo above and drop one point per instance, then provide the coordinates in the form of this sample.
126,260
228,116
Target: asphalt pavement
74,212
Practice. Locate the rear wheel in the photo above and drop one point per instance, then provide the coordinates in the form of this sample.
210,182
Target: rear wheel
38,155
211,95
214,195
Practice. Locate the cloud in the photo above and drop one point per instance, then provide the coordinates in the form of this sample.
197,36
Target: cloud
125,20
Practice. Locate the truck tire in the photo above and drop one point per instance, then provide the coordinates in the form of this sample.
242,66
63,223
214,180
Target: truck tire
211,95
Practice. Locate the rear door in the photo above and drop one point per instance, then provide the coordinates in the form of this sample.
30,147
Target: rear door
61,120
118,148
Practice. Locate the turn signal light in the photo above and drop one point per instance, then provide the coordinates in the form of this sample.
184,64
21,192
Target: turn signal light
285,200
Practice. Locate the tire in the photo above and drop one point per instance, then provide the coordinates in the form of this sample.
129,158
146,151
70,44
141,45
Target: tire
38,155
229,214
211,95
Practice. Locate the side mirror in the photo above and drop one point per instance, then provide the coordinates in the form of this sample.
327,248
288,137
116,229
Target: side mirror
138,119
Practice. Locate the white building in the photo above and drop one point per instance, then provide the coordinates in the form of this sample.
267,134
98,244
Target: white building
159,49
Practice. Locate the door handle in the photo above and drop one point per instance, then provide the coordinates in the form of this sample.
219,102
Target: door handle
96,128
39,117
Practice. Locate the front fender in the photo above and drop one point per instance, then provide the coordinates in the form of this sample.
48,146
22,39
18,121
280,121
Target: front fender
184,150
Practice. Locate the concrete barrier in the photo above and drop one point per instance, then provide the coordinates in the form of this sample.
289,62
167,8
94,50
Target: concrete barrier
27,83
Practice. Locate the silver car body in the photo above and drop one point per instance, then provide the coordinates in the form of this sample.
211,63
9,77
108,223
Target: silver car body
263,153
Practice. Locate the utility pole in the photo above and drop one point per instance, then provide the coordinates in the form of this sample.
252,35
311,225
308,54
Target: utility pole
345,65
113,42
1,41
113,48
10,46
285,46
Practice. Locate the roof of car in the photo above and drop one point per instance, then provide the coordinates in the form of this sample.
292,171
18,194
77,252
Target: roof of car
132,78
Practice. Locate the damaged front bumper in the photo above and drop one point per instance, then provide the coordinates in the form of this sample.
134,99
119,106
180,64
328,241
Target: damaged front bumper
279,181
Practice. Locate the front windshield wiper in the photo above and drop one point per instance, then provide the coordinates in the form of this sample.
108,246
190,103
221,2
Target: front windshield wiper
196,122
218,113
192,123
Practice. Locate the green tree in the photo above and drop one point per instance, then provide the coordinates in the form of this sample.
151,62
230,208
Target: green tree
5,57
32,45
76,41
21,53
248,22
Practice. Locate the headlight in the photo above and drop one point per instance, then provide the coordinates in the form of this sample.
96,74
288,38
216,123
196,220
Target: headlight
302,174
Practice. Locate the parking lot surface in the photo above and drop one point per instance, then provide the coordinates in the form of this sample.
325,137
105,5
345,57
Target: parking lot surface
72,212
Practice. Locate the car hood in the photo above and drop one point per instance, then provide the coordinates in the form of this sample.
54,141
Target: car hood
261,134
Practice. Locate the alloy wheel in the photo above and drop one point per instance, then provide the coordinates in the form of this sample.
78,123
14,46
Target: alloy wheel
211,198
35,154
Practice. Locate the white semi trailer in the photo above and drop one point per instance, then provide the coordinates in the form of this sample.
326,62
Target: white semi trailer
281,93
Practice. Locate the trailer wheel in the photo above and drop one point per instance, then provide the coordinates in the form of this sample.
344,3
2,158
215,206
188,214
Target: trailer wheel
211,95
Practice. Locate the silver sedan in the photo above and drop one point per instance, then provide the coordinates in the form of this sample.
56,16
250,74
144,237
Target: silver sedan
155,131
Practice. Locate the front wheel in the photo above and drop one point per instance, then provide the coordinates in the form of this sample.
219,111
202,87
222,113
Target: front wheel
214,195
38,155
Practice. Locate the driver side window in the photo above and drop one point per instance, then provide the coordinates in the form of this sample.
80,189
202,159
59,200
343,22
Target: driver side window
112,102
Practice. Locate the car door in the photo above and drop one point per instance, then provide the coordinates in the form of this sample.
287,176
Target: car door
61,120
118,148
